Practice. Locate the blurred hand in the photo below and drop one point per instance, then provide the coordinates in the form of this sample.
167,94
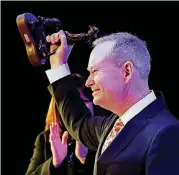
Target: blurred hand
81,152
58,147
64,50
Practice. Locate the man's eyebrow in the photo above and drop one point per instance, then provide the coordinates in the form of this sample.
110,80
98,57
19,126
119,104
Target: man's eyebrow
92,67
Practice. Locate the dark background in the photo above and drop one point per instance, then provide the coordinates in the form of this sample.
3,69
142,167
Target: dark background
24,87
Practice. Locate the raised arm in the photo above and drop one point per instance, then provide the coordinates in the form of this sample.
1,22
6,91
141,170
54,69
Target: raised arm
76,116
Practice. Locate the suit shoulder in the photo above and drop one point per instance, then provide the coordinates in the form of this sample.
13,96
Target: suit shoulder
162,122
163,119
173,129
167,136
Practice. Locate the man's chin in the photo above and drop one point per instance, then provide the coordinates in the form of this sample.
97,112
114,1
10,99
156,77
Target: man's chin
97,101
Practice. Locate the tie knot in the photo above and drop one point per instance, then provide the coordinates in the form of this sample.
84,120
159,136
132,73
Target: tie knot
118,125
119,122
116,128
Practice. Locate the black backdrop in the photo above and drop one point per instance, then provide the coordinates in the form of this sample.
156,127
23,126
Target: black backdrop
24,87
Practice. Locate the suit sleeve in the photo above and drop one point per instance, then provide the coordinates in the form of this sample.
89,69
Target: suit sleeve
163,155
38,165
76,116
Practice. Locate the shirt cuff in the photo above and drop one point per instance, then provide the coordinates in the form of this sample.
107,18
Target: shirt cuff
58,73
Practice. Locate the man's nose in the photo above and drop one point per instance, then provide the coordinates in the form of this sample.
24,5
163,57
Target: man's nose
89,82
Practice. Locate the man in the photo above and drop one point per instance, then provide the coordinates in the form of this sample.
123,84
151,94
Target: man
141,137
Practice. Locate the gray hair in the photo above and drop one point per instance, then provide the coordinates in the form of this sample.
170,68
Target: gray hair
128,47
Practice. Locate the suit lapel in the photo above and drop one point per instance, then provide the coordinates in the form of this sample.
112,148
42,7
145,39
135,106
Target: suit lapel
105,134
103,137
125,136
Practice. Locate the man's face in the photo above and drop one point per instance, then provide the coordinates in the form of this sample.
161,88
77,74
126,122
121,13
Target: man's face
105,77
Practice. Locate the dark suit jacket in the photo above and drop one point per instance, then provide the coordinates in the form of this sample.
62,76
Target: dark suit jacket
41,161
147,145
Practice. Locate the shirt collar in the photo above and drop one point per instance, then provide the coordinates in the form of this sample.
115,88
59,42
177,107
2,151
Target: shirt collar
138,107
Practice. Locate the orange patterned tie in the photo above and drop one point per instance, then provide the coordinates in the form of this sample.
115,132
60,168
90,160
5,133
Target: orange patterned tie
115,130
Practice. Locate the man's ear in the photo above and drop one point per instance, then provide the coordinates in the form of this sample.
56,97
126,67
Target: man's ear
127,71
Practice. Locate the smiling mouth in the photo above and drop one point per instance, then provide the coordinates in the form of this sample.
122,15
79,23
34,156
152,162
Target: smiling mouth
95,91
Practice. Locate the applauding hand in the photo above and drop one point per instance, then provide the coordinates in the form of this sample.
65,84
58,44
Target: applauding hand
58,146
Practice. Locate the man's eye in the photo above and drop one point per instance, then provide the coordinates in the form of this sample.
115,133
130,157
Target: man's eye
94,71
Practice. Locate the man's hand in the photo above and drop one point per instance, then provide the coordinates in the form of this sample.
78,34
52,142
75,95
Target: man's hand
58,147
63,51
